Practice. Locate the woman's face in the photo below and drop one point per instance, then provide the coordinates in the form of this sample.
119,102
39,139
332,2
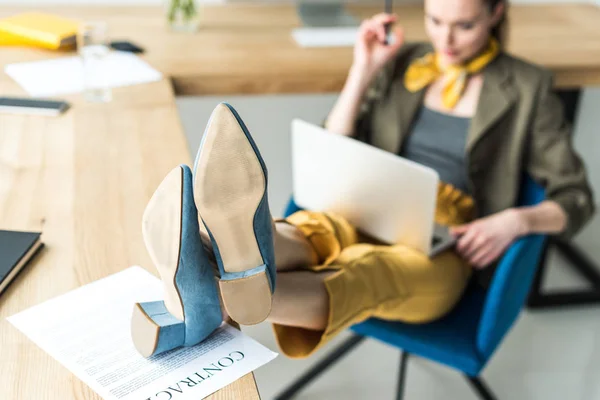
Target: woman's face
459,29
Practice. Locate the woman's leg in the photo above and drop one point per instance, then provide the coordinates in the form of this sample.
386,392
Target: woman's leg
301,300
300,297
292,250
387,282
305,245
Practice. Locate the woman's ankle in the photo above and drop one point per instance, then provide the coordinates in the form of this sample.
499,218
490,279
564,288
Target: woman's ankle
292,249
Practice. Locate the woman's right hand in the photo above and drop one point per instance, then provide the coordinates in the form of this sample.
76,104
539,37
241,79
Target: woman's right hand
370,54
370,51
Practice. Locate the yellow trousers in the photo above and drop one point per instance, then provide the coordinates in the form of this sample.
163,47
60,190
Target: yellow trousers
393,283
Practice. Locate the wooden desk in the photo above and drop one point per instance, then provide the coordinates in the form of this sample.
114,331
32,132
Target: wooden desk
85,178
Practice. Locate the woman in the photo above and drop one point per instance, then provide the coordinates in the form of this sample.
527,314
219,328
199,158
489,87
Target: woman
460,105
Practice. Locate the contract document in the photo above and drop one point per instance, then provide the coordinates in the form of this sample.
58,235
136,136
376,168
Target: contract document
88,331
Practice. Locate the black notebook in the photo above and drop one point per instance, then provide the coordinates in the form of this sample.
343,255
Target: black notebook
16,249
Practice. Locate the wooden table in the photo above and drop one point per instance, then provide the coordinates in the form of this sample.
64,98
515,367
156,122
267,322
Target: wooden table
84,178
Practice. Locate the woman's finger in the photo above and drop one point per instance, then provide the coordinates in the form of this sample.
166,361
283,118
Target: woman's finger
459,230
370,35
492,256
369,31
377,24
495,253
481,257
397,38
383,18
380,32
477,243
364,28
366,36
465,241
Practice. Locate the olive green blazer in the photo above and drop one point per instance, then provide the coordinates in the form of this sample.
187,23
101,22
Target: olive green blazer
519,126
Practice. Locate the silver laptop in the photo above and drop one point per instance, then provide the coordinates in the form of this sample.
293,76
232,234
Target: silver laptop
385,196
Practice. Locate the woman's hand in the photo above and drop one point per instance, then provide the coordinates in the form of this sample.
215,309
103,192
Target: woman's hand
370,52
482,241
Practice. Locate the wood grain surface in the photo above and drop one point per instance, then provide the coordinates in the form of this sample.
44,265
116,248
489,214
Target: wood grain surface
83,179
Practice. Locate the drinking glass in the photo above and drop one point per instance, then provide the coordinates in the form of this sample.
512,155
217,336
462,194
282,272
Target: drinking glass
92,44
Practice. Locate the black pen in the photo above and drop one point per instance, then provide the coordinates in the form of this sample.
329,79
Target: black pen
388,10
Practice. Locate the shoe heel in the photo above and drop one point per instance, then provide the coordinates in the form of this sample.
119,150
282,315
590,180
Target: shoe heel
237,287
154,330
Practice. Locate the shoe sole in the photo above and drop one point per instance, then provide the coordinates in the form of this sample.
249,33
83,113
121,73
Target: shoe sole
229,185
161,224
145,331
154,329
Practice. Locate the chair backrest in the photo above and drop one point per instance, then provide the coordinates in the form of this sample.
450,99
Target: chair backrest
512,280
291,208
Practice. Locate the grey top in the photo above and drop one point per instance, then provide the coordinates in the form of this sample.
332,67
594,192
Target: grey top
438,141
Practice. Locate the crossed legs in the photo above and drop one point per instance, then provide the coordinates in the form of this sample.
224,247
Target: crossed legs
300,297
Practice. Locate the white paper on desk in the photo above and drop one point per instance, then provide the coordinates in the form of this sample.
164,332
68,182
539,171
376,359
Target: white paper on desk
88,331
65,75
325,37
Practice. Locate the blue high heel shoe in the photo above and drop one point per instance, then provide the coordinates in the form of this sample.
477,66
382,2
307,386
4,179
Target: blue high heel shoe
191,310
230,190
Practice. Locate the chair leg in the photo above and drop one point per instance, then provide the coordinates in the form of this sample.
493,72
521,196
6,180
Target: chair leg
480,387
402,375
321,366
535,293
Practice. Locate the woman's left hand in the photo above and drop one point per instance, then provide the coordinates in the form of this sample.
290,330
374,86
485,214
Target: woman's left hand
482,241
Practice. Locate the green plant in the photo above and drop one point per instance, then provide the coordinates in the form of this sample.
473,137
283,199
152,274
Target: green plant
184,8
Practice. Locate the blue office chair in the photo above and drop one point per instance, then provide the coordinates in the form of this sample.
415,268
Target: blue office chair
466,338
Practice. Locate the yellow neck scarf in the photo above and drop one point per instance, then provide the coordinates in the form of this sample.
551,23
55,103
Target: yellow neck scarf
423,71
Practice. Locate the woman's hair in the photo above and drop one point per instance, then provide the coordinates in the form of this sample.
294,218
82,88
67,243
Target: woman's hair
500,31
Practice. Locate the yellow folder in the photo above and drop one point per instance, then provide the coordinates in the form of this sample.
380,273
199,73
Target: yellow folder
38,29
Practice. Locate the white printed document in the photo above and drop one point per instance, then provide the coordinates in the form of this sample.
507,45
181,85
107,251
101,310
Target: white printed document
88,331
64,75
